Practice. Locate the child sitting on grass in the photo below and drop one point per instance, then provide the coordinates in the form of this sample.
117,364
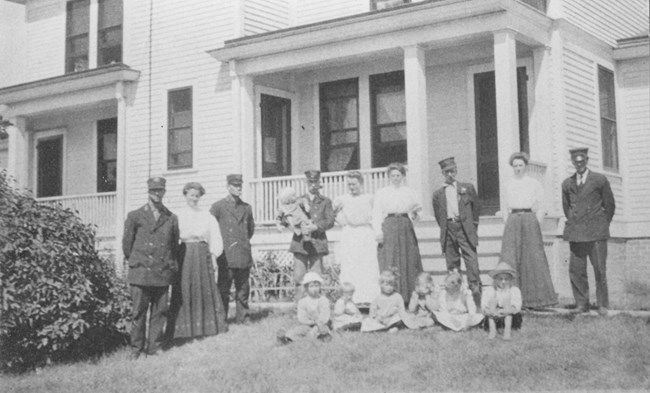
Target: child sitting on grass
346,314
293,213
423,301
313,313
387,311
501,303
457,308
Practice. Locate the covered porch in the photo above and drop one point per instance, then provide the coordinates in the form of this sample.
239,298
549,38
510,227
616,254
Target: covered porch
66,144
414,84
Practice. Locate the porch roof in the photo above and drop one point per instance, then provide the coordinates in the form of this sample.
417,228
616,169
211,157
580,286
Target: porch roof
632,47
69,90
429,24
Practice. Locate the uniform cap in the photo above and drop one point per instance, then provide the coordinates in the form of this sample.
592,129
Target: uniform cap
312,175
235,179
156,183
447,163
579,152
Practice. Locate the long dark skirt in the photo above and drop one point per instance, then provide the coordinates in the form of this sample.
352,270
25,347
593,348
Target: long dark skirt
523,249
200,310
400,253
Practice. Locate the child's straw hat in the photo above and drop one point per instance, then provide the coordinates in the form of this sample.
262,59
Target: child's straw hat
312,277
503,268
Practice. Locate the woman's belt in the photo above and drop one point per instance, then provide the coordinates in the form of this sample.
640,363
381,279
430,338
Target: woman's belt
193,240
397,215
522,210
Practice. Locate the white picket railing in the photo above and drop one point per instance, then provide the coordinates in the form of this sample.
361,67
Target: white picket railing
264,191
97,209
537,170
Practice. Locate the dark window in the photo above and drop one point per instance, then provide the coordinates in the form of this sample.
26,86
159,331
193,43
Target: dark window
339,125
179,146
78,19
608,118
388,111
383,4
109,32
106,155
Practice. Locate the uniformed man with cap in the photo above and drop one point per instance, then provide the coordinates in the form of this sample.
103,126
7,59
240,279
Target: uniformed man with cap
308,255
150,245
237,226
456,207
589,206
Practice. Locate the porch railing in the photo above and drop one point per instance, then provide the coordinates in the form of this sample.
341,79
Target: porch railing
97,209
264,191
537,170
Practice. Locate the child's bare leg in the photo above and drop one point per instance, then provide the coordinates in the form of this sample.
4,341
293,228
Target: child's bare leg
493,328
507,328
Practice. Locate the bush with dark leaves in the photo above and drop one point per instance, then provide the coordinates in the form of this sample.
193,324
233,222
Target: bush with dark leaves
59,300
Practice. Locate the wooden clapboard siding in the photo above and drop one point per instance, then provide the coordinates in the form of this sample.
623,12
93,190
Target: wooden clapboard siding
180,42
608,20
45,43
265,15
634,79
311,11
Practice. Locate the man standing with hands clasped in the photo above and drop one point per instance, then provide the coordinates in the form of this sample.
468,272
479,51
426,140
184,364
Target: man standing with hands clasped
150,244
235,218
456,207
589,206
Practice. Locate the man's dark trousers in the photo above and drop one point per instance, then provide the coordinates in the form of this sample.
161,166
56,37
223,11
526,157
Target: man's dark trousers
242,289
156,300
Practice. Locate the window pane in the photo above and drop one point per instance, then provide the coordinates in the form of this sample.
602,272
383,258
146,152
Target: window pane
607,97
181,160
388,118
610,144
78,46
181,140
344,138
112,37
391,107
110,55
78,17
339,125
110,13
180,100
392,133
342,113
109,148
181,119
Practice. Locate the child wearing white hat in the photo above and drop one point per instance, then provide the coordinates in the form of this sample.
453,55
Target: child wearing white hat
313,313
501,303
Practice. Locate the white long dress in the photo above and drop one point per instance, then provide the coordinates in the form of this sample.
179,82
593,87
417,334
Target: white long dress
357,250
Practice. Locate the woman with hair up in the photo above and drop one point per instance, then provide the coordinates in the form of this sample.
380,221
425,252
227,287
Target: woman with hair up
196,299
394,209
522,242
358,247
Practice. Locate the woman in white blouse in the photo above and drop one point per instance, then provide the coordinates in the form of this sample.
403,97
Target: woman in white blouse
522,244
196,297
358,248
395,206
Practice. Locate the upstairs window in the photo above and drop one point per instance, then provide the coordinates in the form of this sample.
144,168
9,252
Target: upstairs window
339,125
388,109
608,118
106,155
77,27
179,142
109,32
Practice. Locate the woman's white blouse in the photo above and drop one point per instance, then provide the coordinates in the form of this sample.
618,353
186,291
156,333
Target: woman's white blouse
199,225
393,200
354,210
524,193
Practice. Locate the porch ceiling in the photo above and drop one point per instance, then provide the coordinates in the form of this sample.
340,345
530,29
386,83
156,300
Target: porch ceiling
65,92
426,24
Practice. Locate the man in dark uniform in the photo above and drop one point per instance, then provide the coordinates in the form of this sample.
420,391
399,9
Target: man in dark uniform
589,206
456,207
150,246
237,226
308,254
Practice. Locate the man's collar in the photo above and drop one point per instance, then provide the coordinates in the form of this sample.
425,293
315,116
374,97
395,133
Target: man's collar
233,199
453,184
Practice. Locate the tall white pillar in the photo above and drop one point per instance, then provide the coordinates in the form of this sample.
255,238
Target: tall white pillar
243,125
120,183
93,26
505,78
417,144
18,153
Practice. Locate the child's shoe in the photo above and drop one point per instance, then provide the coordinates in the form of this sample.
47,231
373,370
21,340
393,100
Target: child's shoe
281,336
325,337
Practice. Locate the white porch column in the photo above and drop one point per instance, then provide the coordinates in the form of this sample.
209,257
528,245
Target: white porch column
243,122
18,153
417,144
120,183
505,78
93,25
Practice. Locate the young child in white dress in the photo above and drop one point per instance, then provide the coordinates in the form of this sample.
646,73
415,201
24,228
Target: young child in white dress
457,308
346,314
387,311
293,212
501,303
423,301
313,313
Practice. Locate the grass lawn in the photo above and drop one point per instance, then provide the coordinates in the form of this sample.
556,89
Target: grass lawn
549,353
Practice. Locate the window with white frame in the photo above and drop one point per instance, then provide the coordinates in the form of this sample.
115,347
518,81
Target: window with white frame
339,125
107,155
388,111
78,25
109,32
179,126
607,100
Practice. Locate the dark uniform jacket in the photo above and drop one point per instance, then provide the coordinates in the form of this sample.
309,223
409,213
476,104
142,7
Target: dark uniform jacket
237,227
469,208
322,215
151,247
588,209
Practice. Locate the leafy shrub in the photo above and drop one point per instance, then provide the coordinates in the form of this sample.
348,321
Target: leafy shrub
59,300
